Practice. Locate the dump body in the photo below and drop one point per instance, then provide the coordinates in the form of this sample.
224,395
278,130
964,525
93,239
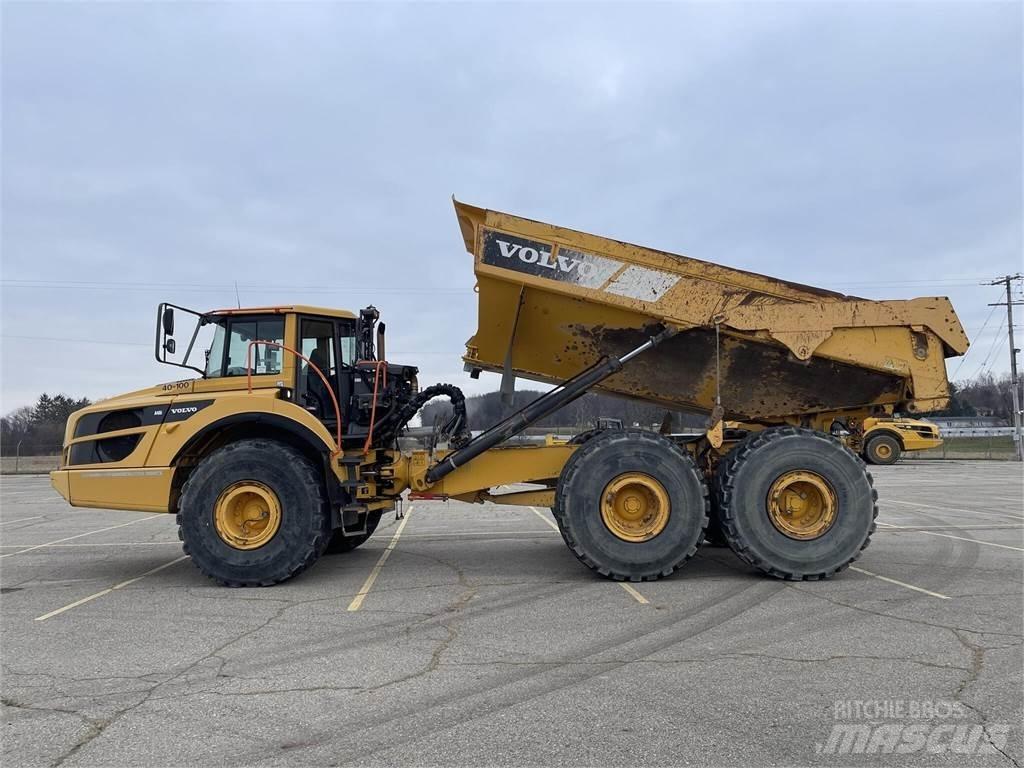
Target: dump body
554,300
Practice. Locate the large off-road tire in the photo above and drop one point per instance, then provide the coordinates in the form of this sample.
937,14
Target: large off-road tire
882,449
253,514
795,503
582,437
340,543
631,505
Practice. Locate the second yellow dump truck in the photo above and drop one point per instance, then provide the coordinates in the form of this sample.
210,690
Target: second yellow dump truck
284,442
883,439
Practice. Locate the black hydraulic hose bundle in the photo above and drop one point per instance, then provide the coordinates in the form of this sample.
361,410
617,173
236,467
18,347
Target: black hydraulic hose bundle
457,426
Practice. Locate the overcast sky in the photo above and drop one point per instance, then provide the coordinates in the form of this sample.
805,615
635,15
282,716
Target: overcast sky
163,151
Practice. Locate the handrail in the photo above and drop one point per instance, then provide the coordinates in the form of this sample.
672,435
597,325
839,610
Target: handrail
373,407
327,384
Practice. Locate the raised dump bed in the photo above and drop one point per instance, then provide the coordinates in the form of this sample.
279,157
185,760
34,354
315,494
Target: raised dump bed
554,300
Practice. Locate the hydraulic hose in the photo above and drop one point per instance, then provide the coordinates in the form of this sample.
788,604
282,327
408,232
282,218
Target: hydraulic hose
456,426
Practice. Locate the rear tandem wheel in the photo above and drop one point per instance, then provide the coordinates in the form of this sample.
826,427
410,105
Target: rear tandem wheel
631,505
795,503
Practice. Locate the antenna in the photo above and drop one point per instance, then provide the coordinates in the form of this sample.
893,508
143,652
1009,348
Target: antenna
238,301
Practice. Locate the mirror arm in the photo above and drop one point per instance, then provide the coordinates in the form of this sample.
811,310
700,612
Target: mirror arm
159,349
191,343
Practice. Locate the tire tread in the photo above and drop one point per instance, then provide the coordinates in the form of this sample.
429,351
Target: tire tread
572,468
725,479
319,530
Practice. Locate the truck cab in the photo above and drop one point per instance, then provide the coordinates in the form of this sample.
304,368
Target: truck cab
311,377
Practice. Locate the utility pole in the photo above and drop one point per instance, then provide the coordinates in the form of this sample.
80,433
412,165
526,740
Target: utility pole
1018,446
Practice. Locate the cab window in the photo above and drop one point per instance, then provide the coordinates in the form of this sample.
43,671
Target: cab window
318,344
348,344
230,347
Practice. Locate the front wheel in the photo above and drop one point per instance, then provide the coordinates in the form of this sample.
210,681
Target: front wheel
882,449
795,503
631,505
252,514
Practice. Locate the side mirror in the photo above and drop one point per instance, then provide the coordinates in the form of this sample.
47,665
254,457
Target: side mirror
169,344
168,323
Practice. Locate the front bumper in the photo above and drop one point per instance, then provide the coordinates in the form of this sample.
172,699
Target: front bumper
146,489
919,442
62,483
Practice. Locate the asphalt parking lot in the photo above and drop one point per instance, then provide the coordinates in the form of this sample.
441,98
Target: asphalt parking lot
480,640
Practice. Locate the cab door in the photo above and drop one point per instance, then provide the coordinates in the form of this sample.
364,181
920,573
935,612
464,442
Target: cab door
329,344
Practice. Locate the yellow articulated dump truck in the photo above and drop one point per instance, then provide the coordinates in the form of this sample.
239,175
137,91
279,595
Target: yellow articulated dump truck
284,443
882,440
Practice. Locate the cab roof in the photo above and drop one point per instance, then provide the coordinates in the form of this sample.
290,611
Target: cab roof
301,309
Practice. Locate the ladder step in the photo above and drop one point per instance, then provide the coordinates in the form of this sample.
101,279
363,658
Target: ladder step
353,519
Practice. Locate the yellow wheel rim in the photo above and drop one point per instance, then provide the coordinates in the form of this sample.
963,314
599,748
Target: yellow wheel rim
883,450
635,507
247,515
802,505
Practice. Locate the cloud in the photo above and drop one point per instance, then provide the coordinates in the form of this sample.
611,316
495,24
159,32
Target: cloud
867,147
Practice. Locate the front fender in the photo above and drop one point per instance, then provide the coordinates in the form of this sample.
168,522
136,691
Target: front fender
173,440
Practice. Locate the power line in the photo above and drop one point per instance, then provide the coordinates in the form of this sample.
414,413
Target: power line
219,288
976,335
988,368
75,341
995,340
923,281
106,284
262,290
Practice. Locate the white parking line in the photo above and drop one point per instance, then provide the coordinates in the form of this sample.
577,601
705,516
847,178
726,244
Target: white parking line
538,513
961,538
357,601
993,527
102,544
80,535
940,508
478,533
900,583
636,595
973,541
21,520
107,591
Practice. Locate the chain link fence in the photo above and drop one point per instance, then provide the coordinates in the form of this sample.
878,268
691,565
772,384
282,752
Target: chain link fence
30,459
993,447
